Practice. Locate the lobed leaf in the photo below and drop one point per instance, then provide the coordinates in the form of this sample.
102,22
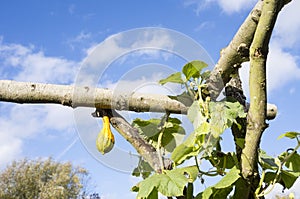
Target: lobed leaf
223,115
173,78
223,187
169,183
185,150
229,179
293,163
291,135
289,178
150,129
195,115
266,161
184,98
193,69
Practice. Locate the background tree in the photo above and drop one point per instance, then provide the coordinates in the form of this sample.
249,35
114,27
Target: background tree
42,179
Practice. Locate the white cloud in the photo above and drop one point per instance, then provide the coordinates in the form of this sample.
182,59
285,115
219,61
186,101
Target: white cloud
282,68
120,47
10,147
205,25
148,85
231,6
199,5
25,122
80,41
38,67
288,25
31,65
227,6
129,42
158,39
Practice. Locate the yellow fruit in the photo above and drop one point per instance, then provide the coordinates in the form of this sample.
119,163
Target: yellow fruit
105,140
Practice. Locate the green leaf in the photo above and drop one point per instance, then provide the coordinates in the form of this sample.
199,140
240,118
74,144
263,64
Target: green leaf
222,160
153,194
240,142
169,183
148,128
210,193
291,135
229,179
193,69
204,128
174,120
172,135
207,193
269,177
194,114
143,169
266,161
218,118
223,187
293,163
289,178
223,115
184,98
222,193
235,109
174,78
145,187
192,172
185,150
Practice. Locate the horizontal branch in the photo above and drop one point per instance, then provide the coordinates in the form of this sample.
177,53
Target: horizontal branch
69,95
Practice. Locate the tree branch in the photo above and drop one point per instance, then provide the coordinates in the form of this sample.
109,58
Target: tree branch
28,92
258,97
235,53
35,93
132,135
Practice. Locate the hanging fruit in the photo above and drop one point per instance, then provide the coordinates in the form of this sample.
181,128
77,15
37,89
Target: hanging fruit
105,140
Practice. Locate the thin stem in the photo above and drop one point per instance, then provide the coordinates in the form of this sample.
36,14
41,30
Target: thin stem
260,183
158,149
159,139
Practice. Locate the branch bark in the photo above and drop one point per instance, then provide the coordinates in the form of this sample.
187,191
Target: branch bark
36,93
235,53
28,92
258,97
132,135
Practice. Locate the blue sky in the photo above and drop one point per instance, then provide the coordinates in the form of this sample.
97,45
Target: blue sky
51,41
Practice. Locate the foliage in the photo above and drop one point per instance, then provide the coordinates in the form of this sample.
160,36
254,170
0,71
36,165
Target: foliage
41,179
284,169
210,119
169,183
